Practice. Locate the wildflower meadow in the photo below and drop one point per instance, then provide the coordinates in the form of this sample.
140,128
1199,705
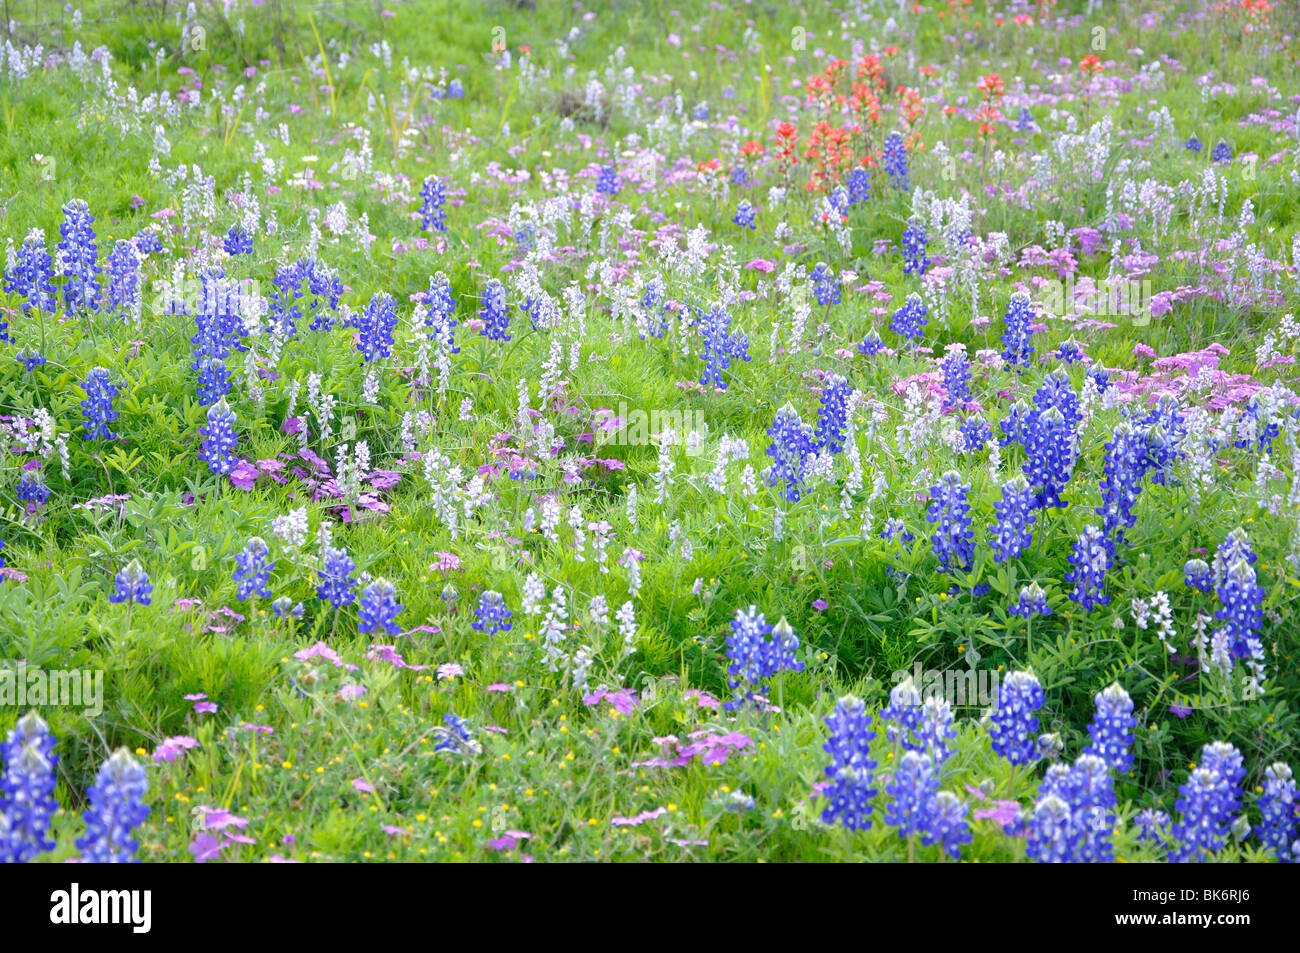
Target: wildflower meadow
548,430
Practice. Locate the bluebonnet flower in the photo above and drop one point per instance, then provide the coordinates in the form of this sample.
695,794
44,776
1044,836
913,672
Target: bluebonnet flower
1152,825
1235,546
1111,729
32,492
1050,450
147,242
1196,575
1222,152
792,444
1052,837
1241,602
872,343
974,433
1100,377
336,583
116,808
757,651
911,789
29,358
27,790
375,327
253,569
378,607
654,303
833,414
1090,559
79,257
738,177
1206,804
440,305
219,327
1011,535
934,729
1192,144
909,321
31,275
1024,120
852,770
324,283
839,200
491,614
123,271
894,160
745,213
1124,468
825,285
1030,601
700,113
946,824
956,377
214,380
286,608
902,716
953,539
495,312
1014,726
455,736
97,409
1277,827
914,245
1254,434
433,202
1069,352
455,90
219,439
721,345
289,285
131,584
1017,331
859,183
607,180
237,241
896,529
